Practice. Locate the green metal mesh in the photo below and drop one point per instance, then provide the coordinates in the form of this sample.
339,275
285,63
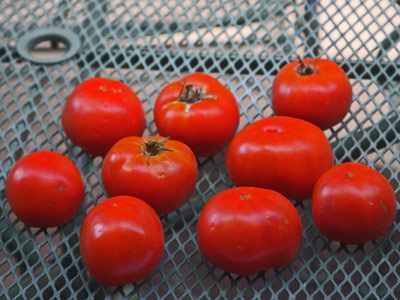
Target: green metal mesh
242,43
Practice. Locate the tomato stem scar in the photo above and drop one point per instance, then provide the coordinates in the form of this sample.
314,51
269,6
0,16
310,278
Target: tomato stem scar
191,94
245,197
153,148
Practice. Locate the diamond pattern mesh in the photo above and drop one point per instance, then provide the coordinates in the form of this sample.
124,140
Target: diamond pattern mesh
243,43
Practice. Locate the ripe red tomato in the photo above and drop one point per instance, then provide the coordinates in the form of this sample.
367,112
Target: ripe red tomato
121,241
101,111
245,230
160,171
45,189
316,90
353,204
284,154
198,111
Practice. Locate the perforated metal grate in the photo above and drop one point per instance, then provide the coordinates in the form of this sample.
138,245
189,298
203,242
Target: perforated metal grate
243,43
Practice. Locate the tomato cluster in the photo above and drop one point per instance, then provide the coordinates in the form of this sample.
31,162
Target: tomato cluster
243,230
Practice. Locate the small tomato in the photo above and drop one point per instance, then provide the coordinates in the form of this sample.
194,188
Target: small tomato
316,90
101,111
353,204
121,241
245,230
45,189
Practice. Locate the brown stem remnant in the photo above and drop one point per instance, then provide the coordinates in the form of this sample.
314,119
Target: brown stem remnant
191,94
153,148
305,70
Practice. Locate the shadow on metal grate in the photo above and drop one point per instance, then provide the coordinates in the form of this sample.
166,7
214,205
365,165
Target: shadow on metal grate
243,43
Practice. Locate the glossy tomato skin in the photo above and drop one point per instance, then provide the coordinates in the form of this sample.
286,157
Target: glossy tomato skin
284,154
206,126
245,230
121,241
101,111
45,189
323,97
353,204
165,181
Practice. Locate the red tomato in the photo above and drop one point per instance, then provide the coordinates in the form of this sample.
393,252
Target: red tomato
121,241
160,171
198,111
316,90
245,230
45,189
353,204
101,111
284,154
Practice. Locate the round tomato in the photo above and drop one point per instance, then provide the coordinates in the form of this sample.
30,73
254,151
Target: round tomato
101,111
284,154
121,241
316,90
160,171
245,230
198,111
45,189
353,204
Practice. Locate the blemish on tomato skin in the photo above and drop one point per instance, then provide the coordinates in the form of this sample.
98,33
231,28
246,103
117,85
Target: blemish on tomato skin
349,175
187,108
60,188
212,227
102,88
383,206
116,90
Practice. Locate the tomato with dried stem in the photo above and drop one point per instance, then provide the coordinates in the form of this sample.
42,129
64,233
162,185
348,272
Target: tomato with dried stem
316,90
158,170
198,111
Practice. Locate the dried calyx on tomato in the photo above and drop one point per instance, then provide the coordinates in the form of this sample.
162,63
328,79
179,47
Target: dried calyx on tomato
152,147
191,94
198,111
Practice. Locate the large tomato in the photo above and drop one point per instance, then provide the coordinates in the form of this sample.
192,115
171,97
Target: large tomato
280,153
160,171
245,230
316,90
121,241
45,189
101,111
353,204
198,111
